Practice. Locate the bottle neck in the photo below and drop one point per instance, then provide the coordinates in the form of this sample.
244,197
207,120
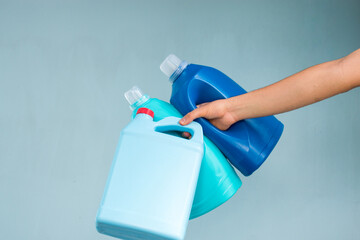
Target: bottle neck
139,102
178,71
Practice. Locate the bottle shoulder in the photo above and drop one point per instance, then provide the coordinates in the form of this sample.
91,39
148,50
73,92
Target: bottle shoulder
203,80
161,109
141,124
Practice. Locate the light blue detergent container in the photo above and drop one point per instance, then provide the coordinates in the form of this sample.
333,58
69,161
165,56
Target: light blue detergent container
152,181
218,181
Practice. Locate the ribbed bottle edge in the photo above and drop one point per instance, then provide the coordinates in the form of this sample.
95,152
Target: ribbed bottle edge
139,102
178,71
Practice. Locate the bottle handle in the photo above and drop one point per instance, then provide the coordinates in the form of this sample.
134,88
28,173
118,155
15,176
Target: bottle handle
172,124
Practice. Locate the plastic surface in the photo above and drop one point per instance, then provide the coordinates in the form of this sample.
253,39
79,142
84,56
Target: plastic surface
170,65
152,181
135,97
145,111
217,182
246,143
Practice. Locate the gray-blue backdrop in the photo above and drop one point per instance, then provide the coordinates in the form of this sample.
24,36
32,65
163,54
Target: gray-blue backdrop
64,66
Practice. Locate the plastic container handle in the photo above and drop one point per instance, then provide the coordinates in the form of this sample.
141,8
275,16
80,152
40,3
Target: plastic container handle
229,130
172,124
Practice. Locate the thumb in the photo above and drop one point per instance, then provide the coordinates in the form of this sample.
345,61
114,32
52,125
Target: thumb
196,113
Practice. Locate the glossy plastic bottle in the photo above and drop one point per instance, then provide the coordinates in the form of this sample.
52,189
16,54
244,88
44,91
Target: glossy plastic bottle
218,181
152,181
246,143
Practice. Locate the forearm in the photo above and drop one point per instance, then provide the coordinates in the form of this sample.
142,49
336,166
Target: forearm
303,88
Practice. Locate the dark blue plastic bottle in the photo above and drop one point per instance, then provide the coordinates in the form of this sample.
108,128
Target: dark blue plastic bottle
246,143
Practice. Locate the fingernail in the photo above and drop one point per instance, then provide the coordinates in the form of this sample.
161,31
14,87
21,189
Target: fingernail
182,121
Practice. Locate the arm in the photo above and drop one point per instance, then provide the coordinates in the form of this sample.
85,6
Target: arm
303,88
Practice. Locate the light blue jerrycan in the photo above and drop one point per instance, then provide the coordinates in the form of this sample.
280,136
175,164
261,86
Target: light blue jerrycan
218,181
152,181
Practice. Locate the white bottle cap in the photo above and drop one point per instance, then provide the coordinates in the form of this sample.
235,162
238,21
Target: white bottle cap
135,97
170,65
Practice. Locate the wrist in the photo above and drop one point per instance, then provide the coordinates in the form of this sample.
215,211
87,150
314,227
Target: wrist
236,107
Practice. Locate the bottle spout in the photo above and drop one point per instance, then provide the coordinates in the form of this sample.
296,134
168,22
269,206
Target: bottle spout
172,67
170,64
135,97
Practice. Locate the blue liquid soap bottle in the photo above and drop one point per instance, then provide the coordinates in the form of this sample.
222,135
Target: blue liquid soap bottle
218,181
152,180
246,143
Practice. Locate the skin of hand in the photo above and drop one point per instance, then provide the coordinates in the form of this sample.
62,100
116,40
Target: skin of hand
303,88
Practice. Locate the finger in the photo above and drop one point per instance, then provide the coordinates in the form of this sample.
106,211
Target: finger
196,113
202,104
186,135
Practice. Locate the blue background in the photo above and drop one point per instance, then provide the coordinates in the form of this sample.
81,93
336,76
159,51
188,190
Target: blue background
64,66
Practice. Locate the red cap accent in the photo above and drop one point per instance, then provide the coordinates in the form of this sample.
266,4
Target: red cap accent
146,111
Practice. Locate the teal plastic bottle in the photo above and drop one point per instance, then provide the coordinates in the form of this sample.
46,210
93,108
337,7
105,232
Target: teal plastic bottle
218,181
152,180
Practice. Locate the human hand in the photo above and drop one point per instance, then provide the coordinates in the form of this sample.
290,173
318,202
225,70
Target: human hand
303,88
217,112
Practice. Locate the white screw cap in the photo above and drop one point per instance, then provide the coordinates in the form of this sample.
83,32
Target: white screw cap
170,64
133,95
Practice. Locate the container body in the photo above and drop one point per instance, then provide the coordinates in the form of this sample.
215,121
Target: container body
152,181
217,181
246,143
